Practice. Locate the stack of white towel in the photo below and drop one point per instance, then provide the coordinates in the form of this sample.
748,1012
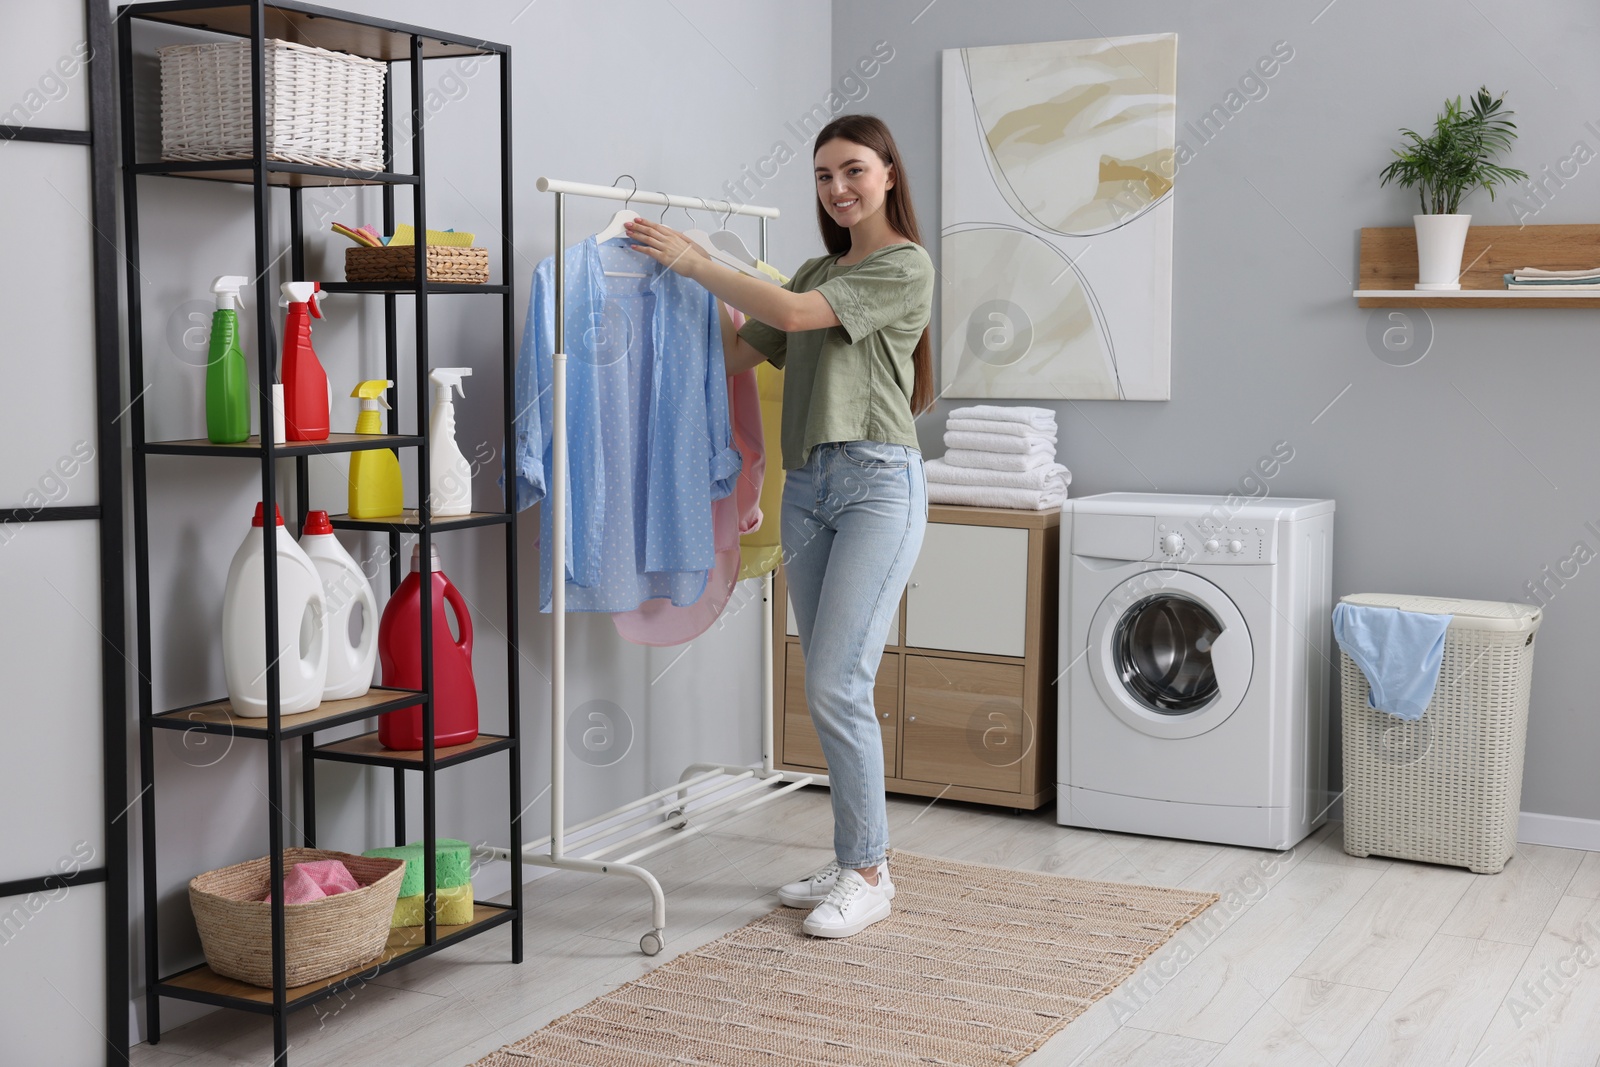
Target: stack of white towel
999,457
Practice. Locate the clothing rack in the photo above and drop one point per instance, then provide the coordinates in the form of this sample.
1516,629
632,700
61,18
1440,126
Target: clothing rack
696,803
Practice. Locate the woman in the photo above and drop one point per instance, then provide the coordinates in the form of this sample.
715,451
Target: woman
851,329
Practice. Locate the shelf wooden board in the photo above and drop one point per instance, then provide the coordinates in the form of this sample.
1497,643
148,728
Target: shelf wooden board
289,175
338,442
218,716
977,516
406,522
407,288
319,27
202,983
366,749
1388,269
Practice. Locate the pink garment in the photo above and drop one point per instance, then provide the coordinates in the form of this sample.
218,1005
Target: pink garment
660,622
313,880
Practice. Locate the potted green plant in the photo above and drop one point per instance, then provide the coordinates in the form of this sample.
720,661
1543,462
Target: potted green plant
1456,159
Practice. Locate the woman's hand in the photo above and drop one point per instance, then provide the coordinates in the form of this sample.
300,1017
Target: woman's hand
666,246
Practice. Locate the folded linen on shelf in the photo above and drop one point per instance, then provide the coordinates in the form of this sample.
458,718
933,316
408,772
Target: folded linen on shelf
1010,429
999,496
937,470
997,461
1586,281
1043,418
999,442
1535,272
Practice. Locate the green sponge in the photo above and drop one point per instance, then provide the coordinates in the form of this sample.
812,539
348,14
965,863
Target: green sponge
452,864
411,881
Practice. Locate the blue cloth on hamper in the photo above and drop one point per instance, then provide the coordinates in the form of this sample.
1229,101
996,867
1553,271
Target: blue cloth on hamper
1398,651
649,438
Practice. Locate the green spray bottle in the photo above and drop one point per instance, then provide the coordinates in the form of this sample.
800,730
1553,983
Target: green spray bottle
227,380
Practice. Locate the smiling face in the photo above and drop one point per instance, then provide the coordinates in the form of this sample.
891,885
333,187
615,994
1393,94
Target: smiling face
852,182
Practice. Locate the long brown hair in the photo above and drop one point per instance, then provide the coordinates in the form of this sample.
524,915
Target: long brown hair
869,131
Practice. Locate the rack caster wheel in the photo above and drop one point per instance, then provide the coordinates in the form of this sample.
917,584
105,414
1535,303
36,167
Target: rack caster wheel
676,817
652,943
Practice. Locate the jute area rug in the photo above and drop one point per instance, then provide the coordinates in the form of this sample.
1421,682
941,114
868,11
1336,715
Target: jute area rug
977,966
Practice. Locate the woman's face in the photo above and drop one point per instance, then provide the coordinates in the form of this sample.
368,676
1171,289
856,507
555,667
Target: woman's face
852,181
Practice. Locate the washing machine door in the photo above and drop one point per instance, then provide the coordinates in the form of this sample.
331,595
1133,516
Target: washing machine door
1170,653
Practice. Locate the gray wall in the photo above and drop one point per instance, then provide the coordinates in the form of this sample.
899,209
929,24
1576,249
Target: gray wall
1464,474
683,97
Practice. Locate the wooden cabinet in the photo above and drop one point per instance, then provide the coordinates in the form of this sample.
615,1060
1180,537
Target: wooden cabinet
965,723
969,590
965,692
801,747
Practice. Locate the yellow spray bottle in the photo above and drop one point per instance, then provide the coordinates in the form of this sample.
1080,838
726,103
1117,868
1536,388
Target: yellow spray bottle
375,486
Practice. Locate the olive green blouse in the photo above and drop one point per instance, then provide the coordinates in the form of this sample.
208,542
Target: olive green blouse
852,382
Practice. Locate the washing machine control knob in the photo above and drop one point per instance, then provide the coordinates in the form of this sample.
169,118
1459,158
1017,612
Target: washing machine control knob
1213,545
1236,547
1172,544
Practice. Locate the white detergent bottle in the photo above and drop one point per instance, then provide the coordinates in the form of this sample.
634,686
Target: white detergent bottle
302,639
346,589
449,475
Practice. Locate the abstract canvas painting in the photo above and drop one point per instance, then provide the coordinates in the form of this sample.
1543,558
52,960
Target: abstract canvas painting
1056,235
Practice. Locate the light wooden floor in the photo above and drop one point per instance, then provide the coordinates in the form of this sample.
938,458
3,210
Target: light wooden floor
1312,957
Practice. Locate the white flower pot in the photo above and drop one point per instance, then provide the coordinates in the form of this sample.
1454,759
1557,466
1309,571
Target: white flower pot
1440,240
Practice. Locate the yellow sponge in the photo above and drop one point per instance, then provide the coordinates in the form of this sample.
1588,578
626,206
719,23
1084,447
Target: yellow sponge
454,907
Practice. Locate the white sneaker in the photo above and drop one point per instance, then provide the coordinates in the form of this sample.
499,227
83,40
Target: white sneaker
809,892
851,906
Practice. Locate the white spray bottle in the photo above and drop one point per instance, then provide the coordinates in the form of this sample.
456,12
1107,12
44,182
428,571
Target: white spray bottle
449,475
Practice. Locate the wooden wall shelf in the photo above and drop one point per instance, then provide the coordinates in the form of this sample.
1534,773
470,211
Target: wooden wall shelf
1389,267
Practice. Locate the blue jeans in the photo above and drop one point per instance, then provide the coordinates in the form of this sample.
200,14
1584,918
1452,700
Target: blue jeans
853,520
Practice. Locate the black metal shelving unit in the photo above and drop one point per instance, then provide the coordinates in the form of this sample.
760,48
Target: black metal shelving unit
392,42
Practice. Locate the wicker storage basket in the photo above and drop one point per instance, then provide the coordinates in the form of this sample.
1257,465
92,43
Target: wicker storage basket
398,263
323,108
1446,788
321,938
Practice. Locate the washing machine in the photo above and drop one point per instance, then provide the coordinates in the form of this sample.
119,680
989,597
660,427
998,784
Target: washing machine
1196,660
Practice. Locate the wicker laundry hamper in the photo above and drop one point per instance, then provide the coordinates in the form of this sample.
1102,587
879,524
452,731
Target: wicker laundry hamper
1446,788
321,938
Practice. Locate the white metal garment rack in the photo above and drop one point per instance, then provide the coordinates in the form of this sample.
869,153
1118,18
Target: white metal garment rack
699,801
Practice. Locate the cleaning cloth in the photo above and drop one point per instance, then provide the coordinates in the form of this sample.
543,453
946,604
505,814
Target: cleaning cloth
315,879
1398,651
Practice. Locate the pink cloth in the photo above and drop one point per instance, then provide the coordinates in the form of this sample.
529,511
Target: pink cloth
660,622
313,880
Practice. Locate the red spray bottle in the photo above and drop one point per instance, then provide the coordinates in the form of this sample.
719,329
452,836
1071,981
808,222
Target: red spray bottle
305,384
455,694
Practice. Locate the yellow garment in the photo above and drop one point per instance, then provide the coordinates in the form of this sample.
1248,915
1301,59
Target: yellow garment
761,549
454,907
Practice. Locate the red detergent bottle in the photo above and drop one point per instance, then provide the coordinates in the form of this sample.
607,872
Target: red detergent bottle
455,694
306,394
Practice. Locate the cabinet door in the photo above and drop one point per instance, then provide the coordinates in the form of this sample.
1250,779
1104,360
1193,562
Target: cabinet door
892,638
801,746
969,590
964,724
